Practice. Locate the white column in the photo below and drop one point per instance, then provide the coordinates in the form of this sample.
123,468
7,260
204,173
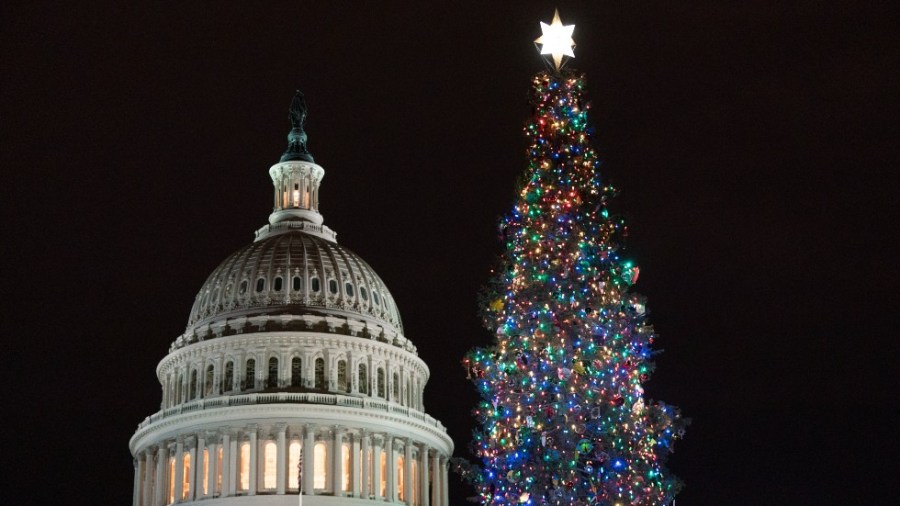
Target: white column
162,462
364,478
254,458
281,456
376,468
136,491
423,465
197,478
146,496
391,466
436,493
354,465
445,492
407,471
337,468
309,443
179,468
212,452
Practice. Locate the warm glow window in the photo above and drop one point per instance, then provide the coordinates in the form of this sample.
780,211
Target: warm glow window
270,462
401,478
293,469
219,454
171,494
204,476
244,467
319,466
345,467
383,484
186,476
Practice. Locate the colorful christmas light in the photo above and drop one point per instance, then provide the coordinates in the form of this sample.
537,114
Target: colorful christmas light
563,419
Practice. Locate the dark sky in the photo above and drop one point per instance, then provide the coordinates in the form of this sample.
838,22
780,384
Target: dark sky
753,144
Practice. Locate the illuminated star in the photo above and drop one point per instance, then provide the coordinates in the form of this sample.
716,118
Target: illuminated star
556,39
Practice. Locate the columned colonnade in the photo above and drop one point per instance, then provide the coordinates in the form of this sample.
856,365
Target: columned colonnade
265,460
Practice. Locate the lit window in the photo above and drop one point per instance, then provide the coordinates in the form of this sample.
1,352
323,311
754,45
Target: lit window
244,478
171,494
298,283
293,469
272,380
219,454
314,284
250,375
320,373
204,477
279,281
343,386
270,456
296,372
415,481
332,286
363,379
363,293
260,285
349,289
345,466
228,381
186,476
381,383
319,466
400,478
383,474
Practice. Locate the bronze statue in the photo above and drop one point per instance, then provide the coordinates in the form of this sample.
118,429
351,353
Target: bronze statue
296,149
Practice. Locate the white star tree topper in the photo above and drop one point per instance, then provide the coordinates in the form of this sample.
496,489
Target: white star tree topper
556,39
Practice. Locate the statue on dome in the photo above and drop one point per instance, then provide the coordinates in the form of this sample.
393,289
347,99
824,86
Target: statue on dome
296,149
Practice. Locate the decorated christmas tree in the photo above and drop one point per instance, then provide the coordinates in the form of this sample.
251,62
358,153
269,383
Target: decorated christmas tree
563,419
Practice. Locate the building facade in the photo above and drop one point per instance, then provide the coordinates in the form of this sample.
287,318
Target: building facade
292,376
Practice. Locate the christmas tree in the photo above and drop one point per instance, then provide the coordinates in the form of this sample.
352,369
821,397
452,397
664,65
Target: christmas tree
563,419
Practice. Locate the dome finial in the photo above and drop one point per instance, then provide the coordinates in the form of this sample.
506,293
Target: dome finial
296,149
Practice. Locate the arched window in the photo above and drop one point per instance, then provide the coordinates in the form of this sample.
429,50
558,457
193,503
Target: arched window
208,381
345,467
228,381
332,286
395,388
363,379
381,382
320,373
320,473
296,372
244,467
375,298
272,380
314,285
186,476
278,285
193,391
401,479
270,461
363,293
171,495
293,469
243,289
349,289
298,283
250,375
260,284
343,384
178,380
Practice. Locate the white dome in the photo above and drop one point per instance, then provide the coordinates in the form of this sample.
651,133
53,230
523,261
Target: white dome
294,273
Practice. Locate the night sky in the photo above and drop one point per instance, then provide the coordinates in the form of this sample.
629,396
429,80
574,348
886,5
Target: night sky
753,145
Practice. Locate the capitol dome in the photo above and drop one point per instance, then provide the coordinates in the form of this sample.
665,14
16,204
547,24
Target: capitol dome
293,376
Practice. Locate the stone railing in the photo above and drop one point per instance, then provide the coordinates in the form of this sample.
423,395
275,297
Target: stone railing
295,398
